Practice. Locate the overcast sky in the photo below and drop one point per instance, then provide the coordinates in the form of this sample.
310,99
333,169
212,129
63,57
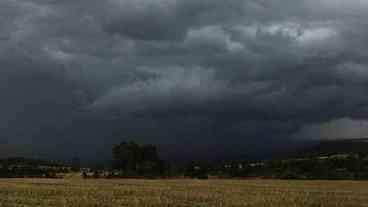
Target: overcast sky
193,76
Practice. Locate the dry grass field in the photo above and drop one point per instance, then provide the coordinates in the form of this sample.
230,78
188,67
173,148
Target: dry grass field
181,193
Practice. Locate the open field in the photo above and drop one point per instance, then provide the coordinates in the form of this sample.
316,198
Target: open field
181,193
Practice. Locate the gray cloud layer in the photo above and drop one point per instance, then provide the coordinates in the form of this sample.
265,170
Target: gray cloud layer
205,74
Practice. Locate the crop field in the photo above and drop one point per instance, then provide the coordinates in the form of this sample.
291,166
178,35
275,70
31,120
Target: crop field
181,193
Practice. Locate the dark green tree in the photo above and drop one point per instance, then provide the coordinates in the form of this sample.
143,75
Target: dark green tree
134,159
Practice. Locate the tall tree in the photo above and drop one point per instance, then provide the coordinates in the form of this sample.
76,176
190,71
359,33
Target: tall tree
133,158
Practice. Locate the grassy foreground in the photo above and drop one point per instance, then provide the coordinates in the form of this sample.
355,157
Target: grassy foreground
181,193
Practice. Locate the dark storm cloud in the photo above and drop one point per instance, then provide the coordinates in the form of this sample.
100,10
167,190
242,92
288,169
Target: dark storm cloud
166,19
204,73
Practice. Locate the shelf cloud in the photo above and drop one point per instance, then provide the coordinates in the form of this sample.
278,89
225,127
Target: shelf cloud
211,74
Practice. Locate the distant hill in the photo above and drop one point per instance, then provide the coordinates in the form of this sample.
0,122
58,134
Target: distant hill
328,159
336,146
20,167
29,162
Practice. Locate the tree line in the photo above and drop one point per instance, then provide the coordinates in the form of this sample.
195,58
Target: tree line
131,160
